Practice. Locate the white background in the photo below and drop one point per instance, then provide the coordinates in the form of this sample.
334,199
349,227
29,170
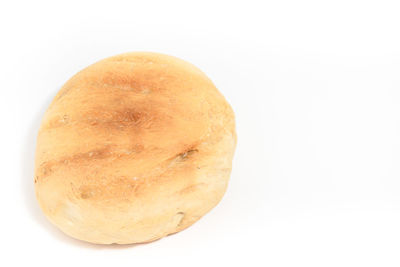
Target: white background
315,86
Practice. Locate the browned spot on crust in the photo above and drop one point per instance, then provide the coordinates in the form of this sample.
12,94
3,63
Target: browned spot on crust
182,215
186,154
135,59
191,188
87,191
46,168
134,187
119,119
107,188
86,195
94,154
63,92
58,122
130,85
137,148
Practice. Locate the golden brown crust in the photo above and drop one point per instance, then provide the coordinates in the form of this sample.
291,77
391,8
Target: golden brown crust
133,148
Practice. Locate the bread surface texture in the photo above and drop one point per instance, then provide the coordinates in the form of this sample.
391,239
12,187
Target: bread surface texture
133,148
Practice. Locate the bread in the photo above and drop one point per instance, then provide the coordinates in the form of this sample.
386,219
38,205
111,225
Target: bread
133,148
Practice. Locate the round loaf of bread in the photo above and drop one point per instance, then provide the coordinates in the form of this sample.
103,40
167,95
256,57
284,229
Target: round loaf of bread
133,148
